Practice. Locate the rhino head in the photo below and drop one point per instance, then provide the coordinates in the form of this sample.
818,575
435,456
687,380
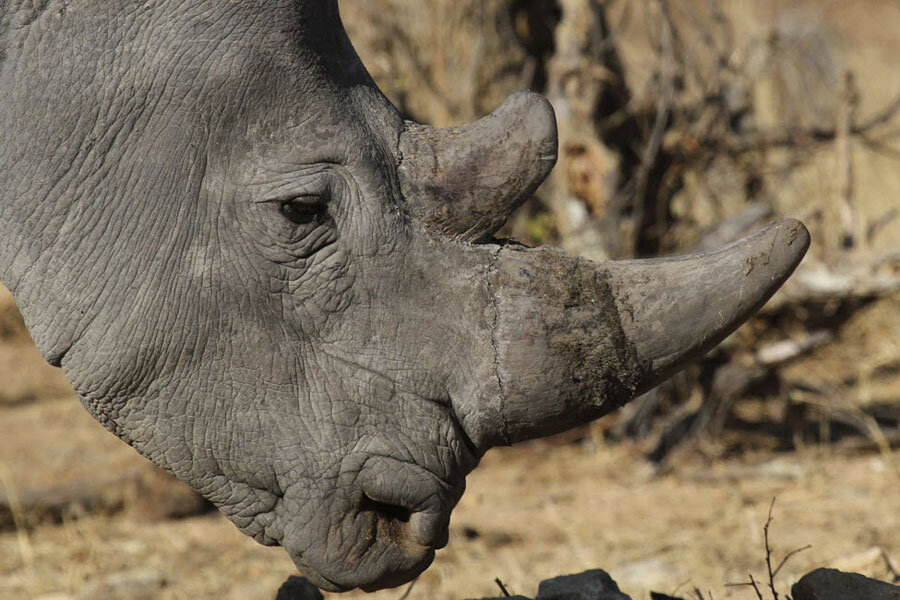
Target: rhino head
255,272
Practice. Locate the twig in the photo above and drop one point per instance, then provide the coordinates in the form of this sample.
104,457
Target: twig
875,227
502,587
781,352
880,147
22,537
397,34
409,589
753,140
650,152
755,587
751,583
769,551
890,566
886,115
789,555
680,585
846,120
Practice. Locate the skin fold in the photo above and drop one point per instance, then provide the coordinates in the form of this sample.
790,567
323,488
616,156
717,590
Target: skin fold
256,273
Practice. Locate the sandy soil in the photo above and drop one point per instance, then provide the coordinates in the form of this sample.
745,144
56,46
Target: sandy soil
530,513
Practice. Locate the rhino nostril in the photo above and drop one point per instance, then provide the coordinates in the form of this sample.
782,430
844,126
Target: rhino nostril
390,512
401,504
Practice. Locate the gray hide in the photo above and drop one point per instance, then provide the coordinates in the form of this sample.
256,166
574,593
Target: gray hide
252,270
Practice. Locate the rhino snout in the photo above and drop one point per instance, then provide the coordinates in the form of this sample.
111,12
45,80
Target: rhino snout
392,522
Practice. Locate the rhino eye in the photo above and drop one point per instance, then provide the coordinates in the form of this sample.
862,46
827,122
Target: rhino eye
302,211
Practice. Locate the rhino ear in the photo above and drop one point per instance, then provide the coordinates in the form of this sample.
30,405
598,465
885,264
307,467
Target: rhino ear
465,182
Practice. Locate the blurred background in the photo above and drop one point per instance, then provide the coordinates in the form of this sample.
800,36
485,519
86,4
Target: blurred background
683,125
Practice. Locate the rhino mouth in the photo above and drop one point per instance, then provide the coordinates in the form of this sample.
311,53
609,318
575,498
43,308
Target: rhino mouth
393,525
389,576
390,557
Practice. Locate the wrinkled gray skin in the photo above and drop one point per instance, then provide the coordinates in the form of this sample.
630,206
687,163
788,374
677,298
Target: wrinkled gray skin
257,274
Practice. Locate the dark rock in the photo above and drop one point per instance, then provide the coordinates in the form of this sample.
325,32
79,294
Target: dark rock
298,588
830,584
590,585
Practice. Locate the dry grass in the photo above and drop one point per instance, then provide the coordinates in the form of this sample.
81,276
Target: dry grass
530,513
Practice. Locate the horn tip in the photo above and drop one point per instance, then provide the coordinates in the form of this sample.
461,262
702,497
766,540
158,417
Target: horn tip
677,309
790,242
537,119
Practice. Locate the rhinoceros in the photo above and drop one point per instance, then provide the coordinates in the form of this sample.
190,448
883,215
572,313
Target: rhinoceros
255,272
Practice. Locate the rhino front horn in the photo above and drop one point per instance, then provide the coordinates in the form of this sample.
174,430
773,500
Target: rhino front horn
575,340
465,182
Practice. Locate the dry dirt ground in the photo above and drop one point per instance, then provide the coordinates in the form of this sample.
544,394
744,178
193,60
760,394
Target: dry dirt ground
530,512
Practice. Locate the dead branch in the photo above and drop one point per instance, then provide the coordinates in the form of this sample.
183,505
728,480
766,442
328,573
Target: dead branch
409,589
789,556
755,140
861,276
890,566
876,226
781,352
844,147
769,552
752,583
502,587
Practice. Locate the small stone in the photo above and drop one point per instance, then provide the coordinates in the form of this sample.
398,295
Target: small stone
298,588
830,584
590,585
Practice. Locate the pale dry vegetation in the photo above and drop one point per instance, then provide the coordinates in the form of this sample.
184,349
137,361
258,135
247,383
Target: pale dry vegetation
802,403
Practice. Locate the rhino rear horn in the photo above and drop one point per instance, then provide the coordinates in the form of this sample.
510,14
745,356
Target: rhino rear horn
465,182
